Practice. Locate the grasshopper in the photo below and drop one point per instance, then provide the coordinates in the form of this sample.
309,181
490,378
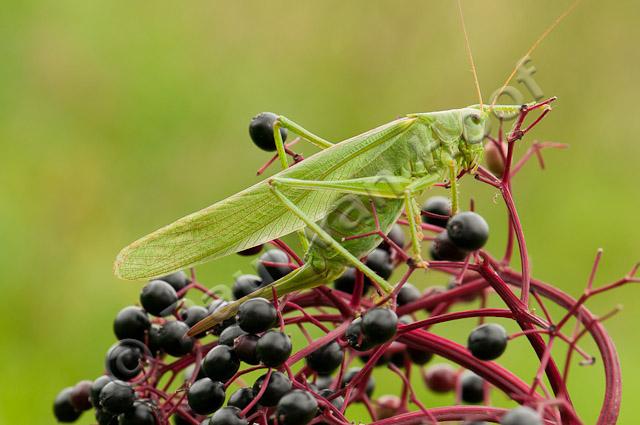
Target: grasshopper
390,166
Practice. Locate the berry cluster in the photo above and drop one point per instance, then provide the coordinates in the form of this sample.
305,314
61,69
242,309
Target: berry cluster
245,370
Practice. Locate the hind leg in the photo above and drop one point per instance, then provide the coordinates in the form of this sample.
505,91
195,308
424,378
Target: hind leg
331,242
394,187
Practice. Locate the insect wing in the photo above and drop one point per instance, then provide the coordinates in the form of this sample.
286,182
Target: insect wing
255,215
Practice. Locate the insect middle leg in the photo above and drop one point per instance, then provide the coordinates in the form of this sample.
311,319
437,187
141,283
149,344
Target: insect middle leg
394,187
453,175
284,122
329,240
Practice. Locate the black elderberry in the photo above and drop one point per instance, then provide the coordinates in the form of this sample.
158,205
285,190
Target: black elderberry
131,323
117,397
261,131
419,357
298,407
273,348
245,348
229,335
326,359
379,325
380,262
124,359
468,230
323,382
443,249
205,396
337,402
174,340
471,388
387,406
96,387
245,284
221,363
440,206
105,418
521,415
398,358
277,387
488,341
383,360
215,306
63,410
396,234
351,373
177,280
347,282
356,338
408,294
153,343
79,396
440,378
241,398
193,314
141,413
178,419
257,315
250,251
227,416
278,269
158,298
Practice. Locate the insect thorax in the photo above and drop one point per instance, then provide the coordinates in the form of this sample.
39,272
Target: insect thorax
439,138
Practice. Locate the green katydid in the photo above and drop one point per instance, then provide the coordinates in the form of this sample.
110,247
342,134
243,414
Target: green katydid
391,165
394,162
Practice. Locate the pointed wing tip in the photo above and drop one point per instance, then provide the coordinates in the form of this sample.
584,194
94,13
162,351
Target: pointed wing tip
203,325
217,317
121,268
131,265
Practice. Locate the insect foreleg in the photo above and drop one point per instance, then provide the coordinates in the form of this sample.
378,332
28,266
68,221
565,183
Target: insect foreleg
318,141
314,139
284,122
331,242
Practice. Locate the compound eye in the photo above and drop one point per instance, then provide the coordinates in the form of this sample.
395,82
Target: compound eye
473,128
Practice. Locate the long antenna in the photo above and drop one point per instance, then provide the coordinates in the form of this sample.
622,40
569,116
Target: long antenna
534,46
469,54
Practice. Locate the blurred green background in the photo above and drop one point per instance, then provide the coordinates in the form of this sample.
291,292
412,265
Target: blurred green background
118,117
